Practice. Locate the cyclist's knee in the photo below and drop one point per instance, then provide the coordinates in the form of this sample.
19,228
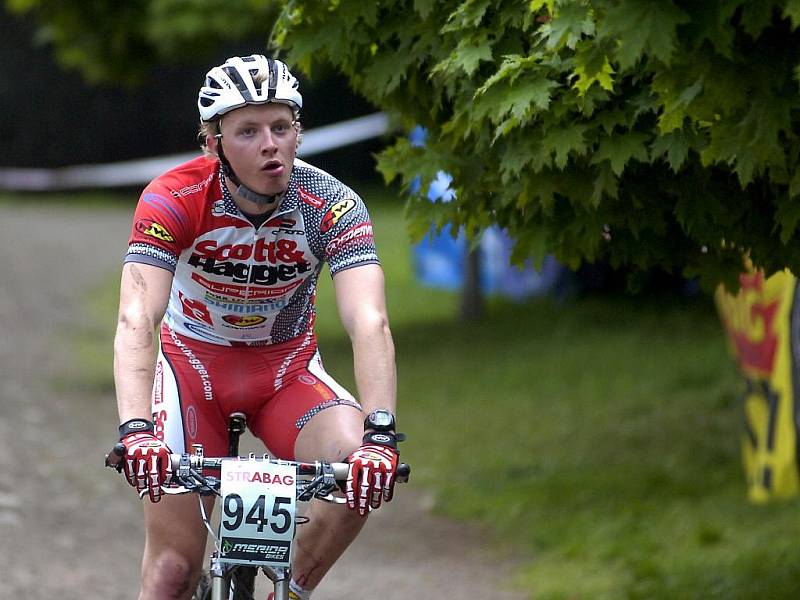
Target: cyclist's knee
331,434
170,574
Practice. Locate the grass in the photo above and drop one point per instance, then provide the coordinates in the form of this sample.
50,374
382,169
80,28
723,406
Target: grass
599,437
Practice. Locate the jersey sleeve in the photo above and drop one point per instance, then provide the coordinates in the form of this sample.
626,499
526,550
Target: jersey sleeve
161,228
347,229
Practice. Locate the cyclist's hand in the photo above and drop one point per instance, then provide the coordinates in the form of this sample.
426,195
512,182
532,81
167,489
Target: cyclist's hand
146,462
370,479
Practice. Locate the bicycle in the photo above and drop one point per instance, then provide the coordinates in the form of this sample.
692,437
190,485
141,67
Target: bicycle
257,523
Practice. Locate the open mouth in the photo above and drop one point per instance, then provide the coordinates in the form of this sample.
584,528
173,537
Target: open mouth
273,167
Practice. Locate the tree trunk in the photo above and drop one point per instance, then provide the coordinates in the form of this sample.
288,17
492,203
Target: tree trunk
471,295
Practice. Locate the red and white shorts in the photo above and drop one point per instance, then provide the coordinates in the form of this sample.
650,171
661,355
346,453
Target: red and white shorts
279,387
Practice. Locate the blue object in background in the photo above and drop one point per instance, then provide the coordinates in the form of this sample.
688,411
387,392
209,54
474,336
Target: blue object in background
440,258
440,261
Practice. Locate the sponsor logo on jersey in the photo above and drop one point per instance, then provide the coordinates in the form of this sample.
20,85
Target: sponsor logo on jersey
194,309
158,384
236,305
244,320
273,252
191,422
359,232
310,198
159,423
244,273
202,331
281,222
244,292
275,261
163,205
153,229
218,208
194,188
336,212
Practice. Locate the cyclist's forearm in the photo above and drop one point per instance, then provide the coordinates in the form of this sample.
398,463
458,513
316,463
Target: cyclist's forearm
374,365
134,366
144,291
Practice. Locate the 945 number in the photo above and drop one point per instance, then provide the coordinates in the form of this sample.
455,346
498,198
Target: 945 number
280,519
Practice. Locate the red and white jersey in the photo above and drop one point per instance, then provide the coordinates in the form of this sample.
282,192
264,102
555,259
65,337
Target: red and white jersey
234,283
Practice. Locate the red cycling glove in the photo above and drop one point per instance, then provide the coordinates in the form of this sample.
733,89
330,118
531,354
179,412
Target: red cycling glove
370,479
146,462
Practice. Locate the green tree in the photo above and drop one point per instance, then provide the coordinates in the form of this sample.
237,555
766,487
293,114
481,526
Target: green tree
123,41
643,133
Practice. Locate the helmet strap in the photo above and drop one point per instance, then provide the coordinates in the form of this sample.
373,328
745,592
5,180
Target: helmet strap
241,189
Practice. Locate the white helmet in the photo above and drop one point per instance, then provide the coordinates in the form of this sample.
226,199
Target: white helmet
253,79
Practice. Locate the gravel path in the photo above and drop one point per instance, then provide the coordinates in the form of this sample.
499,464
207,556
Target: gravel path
69,528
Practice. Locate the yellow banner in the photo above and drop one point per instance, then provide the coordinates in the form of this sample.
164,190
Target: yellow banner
759,322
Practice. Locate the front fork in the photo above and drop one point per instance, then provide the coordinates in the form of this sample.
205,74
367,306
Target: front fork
220,584
280,579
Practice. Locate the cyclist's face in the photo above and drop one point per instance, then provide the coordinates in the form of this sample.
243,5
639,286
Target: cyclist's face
260,141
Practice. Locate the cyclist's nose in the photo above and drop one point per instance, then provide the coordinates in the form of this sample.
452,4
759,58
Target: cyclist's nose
268,142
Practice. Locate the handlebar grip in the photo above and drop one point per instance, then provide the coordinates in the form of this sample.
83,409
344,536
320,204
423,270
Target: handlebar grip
403,472
114,457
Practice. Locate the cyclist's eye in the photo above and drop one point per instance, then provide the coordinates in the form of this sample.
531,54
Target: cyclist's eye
248,131
281,128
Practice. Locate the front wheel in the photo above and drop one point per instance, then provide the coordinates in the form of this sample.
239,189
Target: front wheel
243,580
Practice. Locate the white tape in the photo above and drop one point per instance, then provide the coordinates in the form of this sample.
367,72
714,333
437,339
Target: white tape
140,172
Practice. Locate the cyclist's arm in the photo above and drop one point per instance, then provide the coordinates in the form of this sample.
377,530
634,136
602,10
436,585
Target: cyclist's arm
362,308
144,292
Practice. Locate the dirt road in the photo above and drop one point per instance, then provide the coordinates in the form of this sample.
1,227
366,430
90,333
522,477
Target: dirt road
71,529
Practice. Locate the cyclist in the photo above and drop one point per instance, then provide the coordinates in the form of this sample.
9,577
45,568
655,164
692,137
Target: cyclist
224,253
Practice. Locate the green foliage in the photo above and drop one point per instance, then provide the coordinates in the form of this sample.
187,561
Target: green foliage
639,132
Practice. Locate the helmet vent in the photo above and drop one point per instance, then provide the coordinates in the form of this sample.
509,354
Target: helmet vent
245,80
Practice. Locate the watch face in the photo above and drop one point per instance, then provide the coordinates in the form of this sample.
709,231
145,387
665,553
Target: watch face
381,418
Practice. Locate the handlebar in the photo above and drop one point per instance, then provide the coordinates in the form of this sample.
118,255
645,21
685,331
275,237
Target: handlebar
188,473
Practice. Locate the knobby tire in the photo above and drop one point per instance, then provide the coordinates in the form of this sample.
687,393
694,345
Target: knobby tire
244,584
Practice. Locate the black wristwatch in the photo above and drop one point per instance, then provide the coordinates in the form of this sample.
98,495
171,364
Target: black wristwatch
380,420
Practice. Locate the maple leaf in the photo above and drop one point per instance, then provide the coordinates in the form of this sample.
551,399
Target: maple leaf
569,24
676,147
675,109
592,66
466,57
562,141
519,99
643,26
619,149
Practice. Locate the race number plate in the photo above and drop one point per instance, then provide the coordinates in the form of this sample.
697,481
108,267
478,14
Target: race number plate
257,516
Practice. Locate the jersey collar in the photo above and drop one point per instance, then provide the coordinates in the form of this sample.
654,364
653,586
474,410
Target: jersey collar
287,204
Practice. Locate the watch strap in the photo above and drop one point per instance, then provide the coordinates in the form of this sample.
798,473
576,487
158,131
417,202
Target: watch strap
136,426
380,438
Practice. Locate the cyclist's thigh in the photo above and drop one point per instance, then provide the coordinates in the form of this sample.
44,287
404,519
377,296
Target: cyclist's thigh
175,528
311,400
